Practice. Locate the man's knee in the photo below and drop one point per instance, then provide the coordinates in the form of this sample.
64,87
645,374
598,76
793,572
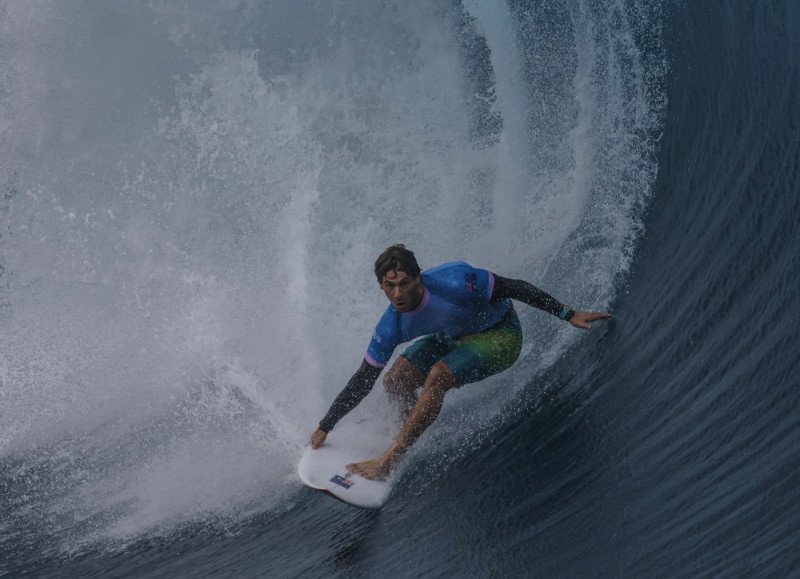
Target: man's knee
402,376
440,379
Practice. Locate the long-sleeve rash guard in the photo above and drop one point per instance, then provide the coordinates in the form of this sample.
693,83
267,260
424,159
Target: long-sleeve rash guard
458,300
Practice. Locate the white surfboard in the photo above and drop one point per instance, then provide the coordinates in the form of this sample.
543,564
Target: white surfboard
324,469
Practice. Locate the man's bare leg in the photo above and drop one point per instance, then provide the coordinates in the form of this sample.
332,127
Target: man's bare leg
439,381
401,383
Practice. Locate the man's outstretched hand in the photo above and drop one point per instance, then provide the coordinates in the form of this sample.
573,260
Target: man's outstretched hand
583,319
319,436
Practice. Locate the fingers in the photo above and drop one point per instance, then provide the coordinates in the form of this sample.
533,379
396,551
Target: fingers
594,316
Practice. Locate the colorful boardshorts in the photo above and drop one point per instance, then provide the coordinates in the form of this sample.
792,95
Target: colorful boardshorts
471,358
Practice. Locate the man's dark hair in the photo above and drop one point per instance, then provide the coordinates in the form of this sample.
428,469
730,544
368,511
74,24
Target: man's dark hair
396,257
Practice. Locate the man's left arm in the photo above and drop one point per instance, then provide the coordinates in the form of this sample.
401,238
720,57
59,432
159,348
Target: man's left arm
527,293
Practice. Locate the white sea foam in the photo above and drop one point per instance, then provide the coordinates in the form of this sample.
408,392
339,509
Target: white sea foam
194,201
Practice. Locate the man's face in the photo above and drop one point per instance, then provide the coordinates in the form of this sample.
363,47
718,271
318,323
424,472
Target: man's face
403,291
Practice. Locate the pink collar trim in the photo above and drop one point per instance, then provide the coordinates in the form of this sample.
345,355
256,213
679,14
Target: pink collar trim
426,297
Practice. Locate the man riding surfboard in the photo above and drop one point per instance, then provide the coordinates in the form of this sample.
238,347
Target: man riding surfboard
468,331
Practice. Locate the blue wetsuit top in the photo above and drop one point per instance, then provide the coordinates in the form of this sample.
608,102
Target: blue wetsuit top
456,301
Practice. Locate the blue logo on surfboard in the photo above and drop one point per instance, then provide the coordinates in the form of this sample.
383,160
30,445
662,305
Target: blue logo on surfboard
342,481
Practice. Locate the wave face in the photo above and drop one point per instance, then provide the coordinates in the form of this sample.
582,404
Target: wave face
192,202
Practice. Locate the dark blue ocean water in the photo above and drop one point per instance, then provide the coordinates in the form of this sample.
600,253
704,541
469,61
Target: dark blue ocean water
171,176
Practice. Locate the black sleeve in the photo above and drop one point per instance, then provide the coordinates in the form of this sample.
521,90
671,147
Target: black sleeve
517,289
357,388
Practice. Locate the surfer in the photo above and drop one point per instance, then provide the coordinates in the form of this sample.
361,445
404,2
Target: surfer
468,331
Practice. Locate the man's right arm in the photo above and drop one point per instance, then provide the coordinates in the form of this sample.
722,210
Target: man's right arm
357,388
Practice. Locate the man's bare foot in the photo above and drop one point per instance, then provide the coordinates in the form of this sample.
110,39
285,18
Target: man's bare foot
376,469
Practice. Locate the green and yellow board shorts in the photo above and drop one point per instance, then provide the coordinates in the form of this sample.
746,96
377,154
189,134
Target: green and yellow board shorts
473,357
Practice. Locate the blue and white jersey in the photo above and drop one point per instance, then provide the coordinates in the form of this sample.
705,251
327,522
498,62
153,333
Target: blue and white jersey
455,301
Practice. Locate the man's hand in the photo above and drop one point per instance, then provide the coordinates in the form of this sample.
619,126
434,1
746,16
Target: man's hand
318,438
583,319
